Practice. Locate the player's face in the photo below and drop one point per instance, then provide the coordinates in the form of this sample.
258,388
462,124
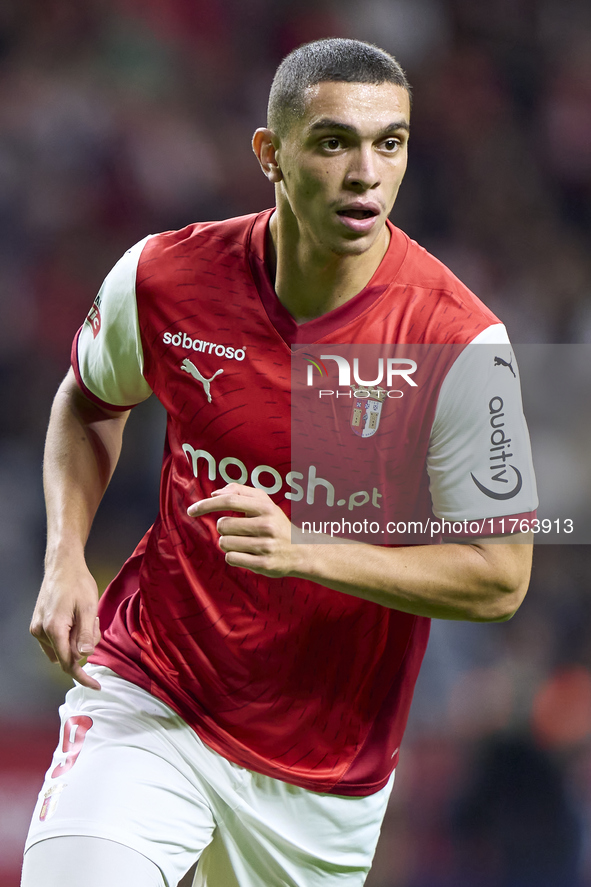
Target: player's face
342,164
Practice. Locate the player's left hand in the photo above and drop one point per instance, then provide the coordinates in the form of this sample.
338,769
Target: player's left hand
261,540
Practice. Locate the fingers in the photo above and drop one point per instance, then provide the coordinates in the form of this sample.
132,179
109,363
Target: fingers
234,497
54,640
249,562
251,544
240,490
88,634
258,538
47,649
245,526
62,650
78,673
67,636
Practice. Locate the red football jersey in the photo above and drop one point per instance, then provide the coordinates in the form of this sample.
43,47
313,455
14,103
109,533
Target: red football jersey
282,676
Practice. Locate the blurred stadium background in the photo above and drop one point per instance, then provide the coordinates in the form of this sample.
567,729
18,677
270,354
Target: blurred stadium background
120,118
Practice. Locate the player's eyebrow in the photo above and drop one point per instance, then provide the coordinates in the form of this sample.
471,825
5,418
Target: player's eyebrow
328,123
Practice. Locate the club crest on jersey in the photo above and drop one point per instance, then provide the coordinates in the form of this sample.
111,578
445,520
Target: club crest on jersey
189,367
50,800
366,412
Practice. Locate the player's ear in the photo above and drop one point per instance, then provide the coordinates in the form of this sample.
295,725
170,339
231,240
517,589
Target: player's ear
264,145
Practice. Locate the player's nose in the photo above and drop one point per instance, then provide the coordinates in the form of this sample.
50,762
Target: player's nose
362,173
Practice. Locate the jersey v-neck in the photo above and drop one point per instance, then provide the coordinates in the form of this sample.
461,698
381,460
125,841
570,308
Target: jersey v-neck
294,333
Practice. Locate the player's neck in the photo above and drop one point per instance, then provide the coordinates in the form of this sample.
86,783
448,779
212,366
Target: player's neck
309,282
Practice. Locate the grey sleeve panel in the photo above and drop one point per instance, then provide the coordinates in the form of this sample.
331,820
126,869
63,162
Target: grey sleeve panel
480,462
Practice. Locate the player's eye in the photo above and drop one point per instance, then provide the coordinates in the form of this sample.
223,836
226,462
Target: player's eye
391,145
331,144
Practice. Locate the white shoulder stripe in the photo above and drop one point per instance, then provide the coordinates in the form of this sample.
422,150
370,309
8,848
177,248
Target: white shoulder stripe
496,334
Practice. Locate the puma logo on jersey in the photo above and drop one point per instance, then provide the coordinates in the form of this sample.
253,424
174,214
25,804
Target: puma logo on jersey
500,362
189,367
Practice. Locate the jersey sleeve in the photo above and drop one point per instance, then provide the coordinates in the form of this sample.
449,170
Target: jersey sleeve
107,354
480,462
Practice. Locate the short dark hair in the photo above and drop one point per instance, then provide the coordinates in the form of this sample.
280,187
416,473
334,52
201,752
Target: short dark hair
332,59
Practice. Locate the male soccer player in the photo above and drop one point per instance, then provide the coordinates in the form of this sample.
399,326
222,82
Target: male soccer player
246,701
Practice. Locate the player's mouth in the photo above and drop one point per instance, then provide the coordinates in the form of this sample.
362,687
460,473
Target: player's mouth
359,217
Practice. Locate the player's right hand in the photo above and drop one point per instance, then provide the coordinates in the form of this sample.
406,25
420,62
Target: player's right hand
65,620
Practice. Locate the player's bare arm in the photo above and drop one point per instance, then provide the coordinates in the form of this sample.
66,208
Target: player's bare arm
81,452
478,581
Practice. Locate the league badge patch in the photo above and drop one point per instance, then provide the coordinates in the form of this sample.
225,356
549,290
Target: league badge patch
94,319
50,800
366,412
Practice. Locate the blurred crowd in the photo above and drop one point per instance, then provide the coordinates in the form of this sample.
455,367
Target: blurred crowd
119,119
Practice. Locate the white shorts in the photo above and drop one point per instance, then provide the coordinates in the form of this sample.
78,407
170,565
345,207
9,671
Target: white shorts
128,769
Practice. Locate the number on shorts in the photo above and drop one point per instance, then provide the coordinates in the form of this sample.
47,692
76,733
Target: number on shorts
75,730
